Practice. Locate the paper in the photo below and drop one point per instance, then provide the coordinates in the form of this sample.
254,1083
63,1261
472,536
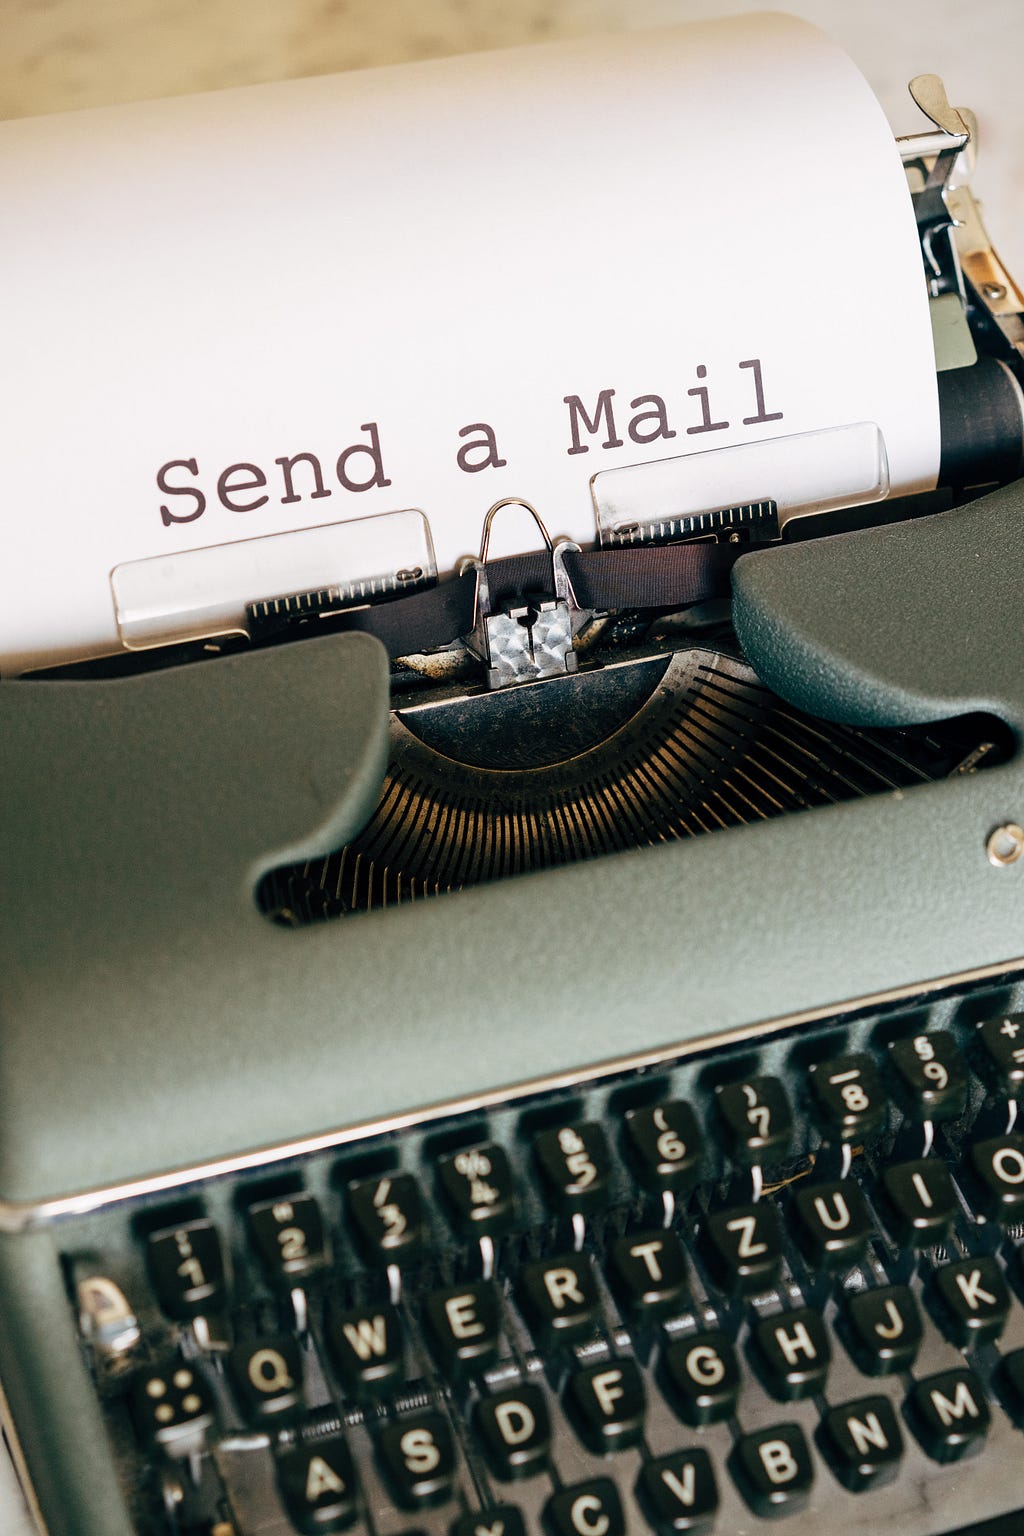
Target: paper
431,286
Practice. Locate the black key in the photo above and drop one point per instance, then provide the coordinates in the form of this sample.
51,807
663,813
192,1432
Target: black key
515,1430
318,1486
931,1076
679,1494
560,1297
948,1414
701,1378
267,1377
756,1119
999,1052
388,1216
1010,1382
833,1223
606,1403
743,1248
186,1266
862,1443
464,1323
478,1190
995,1172
172,1407
288,1236
367,1349
849,1100
586,1509
665,1146
418,1457
973,1302
576,1166
648,1272
496,1520
883,1329
921,1201
793,1353
773,1470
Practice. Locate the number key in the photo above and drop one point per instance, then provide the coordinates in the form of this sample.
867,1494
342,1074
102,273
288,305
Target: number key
848,1097
665,1145
288,1235
931,1075
478,1189
388,1215
576,1165
757,1119
186,1265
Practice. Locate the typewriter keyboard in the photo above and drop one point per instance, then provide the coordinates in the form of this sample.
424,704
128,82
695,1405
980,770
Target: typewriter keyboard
777,1280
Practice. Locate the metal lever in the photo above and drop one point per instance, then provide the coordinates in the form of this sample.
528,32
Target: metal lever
935,154
528,641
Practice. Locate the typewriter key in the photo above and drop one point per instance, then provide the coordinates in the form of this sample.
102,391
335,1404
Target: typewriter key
792,1353
418,1457
833,1223
756,1119
773,1470
367,1349
267,1377
862,1443
921,1201
701,1378
496,1520
318,1486
288,1235
679,1494
186,1265
949,1415
743,1248
478,1190
882,1329
995,1175
388,1217
586,1509
1010,1385
575,1164
515,1429
931,1076
999,1052
665,1146
606,1403
172,1407
848,1097
973,1302
560,1297
464,1325
648,1272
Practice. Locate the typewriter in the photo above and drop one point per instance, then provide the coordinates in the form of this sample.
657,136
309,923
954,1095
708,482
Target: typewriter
573,1014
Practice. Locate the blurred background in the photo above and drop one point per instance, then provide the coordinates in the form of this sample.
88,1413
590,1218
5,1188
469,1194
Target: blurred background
57,55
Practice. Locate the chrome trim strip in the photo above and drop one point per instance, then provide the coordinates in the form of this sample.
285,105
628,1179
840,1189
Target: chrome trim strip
19,1216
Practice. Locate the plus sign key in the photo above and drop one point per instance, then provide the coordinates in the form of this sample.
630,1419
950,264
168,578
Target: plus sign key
1000,1054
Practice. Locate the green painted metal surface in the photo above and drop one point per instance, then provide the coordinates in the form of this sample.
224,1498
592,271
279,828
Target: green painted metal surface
152,1019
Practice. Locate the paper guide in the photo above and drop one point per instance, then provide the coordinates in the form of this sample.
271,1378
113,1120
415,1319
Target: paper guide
431,286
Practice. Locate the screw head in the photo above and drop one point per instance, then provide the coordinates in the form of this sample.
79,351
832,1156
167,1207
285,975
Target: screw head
993,291
1005,845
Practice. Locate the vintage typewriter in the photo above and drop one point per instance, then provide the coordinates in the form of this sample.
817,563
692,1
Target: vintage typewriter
575,1027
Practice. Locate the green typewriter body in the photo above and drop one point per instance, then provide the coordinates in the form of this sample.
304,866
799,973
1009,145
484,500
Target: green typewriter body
676,1189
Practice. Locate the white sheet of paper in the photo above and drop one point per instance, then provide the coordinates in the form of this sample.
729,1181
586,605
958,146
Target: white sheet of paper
240,278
